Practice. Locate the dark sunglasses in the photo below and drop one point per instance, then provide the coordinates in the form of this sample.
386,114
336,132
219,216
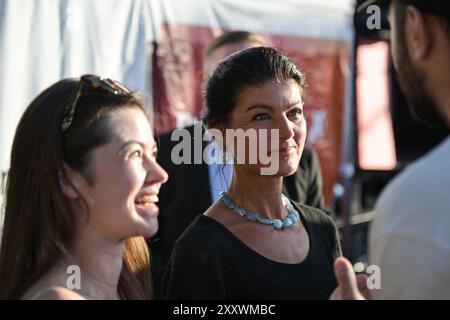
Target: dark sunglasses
96,82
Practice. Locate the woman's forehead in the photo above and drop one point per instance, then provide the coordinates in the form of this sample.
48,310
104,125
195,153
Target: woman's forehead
272,93
131,123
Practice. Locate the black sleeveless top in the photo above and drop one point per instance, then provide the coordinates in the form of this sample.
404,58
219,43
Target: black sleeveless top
209,262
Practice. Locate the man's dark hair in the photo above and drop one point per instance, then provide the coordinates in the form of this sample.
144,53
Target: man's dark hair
438,8
230,37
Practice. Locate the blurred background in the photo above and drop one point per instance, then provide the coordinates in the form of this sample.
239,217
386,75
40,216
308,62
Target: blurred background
358,120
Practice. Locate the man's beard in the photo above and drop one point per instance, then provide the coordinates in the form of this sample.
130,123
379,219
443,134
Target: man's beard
413,84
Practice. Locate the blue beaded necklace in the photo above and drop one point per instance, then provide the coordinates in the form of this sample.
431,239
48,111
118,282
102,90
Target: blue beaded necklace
278,224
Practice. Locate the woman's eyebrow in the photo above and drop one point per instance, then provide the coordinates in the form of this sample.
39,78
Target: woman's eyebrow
270,108
126,144
130,142
259,106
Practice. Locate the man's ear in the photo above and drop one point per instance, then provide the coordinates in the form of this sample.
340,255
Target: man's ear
67,183
200,76
418,33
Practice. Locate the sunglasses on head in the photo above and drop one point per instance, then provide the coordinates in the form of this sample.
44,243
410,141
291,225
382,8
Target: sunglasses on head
95,82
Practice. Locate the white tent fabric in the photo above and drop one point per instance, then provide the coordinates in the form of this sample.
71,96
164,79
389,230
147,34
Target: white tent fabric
317,19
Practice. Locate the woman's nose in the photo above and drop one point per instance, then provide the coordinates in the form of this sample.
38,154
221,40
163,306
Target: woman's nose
156,174
286,128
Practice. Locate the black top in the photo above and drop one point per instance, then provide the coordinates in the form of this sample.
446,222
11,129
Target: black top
209,262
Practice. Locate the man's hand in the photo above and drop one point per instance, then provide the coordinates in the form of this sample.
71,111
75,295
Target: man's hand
350,286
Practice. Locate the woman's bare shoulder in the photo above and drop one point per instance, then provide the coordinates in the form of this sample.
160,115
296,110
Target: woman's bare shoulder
56,293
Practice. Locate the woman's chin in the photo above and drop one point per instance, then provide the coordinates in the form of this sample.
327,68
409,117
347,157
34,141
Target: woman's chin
150,229
283,171
146,228
288,167
152,226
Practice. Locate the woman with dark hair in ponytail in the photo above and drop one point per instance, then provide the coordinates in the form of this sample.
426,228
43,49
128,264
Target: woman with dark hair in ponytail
255,243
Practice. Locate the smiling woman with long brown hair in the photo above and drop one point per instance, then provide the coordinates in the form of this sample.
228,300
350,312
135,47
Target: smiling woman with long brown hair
81,191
